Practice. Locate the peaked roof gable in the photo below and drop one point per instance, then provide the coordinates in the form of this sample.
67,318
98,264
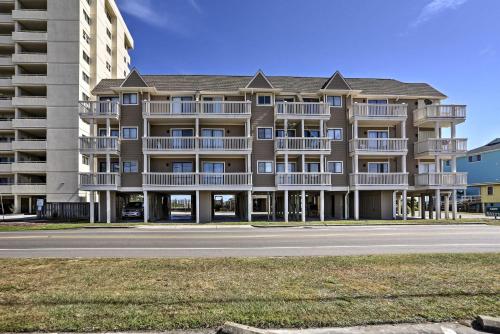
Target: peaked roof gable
134,79
259,80
336,82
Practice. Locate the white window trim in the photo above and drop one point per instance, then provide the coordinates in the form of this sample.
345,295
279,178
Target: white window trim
341,101
266,127
386,131
130,104
123,167
264,105
379,162
289,163
335,161
129,127
378,99
341,134
212,162
265,161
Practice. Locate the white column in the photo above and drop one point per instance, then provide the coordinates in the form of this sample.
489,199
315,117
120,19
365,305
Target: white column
108,206
447,206
404,206
438,204
454,204
91,210
274,205
146,207
322,205
346,206
285,206
197,206
303,205
356,204
394,214
249,205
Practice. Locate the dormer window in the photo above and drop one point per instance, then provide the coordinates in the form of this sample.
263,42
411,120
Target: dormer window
129,98
264,100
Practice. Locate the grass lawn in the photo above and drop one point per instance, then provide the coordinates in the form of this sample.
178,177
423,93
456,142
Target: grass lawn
162,294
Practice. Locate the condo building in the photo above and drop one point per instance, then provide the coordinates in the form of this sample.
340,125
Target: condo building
52,52
270,147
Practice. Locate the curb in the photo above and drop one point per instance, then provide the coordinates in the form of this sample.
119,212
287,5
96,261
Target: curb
488,324
369,225
234,328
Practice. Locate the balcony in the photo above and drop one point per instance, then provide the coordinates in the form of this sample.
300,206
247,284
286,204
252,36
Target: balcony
302,145
29,79
198,181
6,102
6,189
5,124
302,110
29,123
192,145
5,81
5,18
29,36
447,147
378,146
369,113
194,109
29,166
428,115
29,189
379,181
29,145
99,145
299,181
5,167
441,180
5,146
29,15
99,109
29,101
99,181
6,60
6,39
29,58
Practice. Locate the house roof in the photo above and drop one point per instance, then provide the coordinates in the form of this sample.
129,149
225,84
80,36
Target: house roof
368,86
491,146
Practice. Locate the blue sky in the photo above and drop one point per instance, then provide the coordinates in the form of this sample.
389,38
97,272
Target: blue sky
452,44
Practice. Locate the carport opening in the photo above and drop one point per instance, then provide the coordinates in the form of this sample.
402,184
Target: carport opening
181,208
224,207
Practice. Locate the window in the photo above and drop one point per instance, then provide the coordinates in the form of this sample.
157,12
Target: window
104,133
108,50
182,167
86,37
264,167
86,57
490,190
264,100
108,32
114,167
85,160
280,133
280,167
85,77
377,101
129,98
378,167
264,133
335,167
85,97
475,158
129,133
130,167
86,17
334,134
334,101
312,167
108,66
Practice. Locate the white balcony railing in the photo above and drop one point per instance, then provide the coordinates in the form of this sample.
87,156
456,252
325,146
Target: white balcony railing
439,111
378,145
208,144
378,111
441,179
302,144
303,179
302,109
379,179
435,146
99,144
202,108
90,109
197,179
99,180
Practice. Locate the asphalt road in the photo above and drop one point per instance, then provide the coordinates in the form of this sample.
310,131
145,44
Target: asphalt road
237,241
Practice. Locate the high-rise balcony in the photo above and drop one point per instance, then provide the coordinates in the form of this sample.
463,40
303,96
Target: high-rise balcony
29,188
29,58
192,145
379,180
198,181
99,110
429,115
29,15
29,79
378,146
29,166
441,180
29,36
29,144
302,110
99,145
302,145
29,123
369,113
29,101
99,181
194,109
306,180
446,147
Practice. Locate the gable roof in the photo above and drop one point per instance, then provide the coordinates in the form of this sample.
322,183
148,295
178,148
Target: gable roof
367,86
259,80
134,79
336,82
493,145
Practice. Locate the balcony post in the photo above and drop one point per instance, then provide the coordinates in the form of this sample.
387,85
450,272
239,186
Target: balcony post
394,214
303,205
285,206
356,204
447,206
91,210
249,205
108,206
454,204
197,206
322,205
146,207
404,207
438,204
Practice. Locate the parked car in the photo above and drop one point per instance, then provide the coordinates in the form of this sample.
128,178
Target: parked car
133,210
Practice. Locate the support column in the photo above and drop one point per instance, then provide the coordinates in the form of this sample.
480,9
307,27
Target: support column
438,204
412,206
285,206
249,205
197,206
17,204
92,205
422,206
346,206
447,206
356,204
146,207
394,205
404,206
274,205
322,205
303,205
108,206
454,204
431,206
